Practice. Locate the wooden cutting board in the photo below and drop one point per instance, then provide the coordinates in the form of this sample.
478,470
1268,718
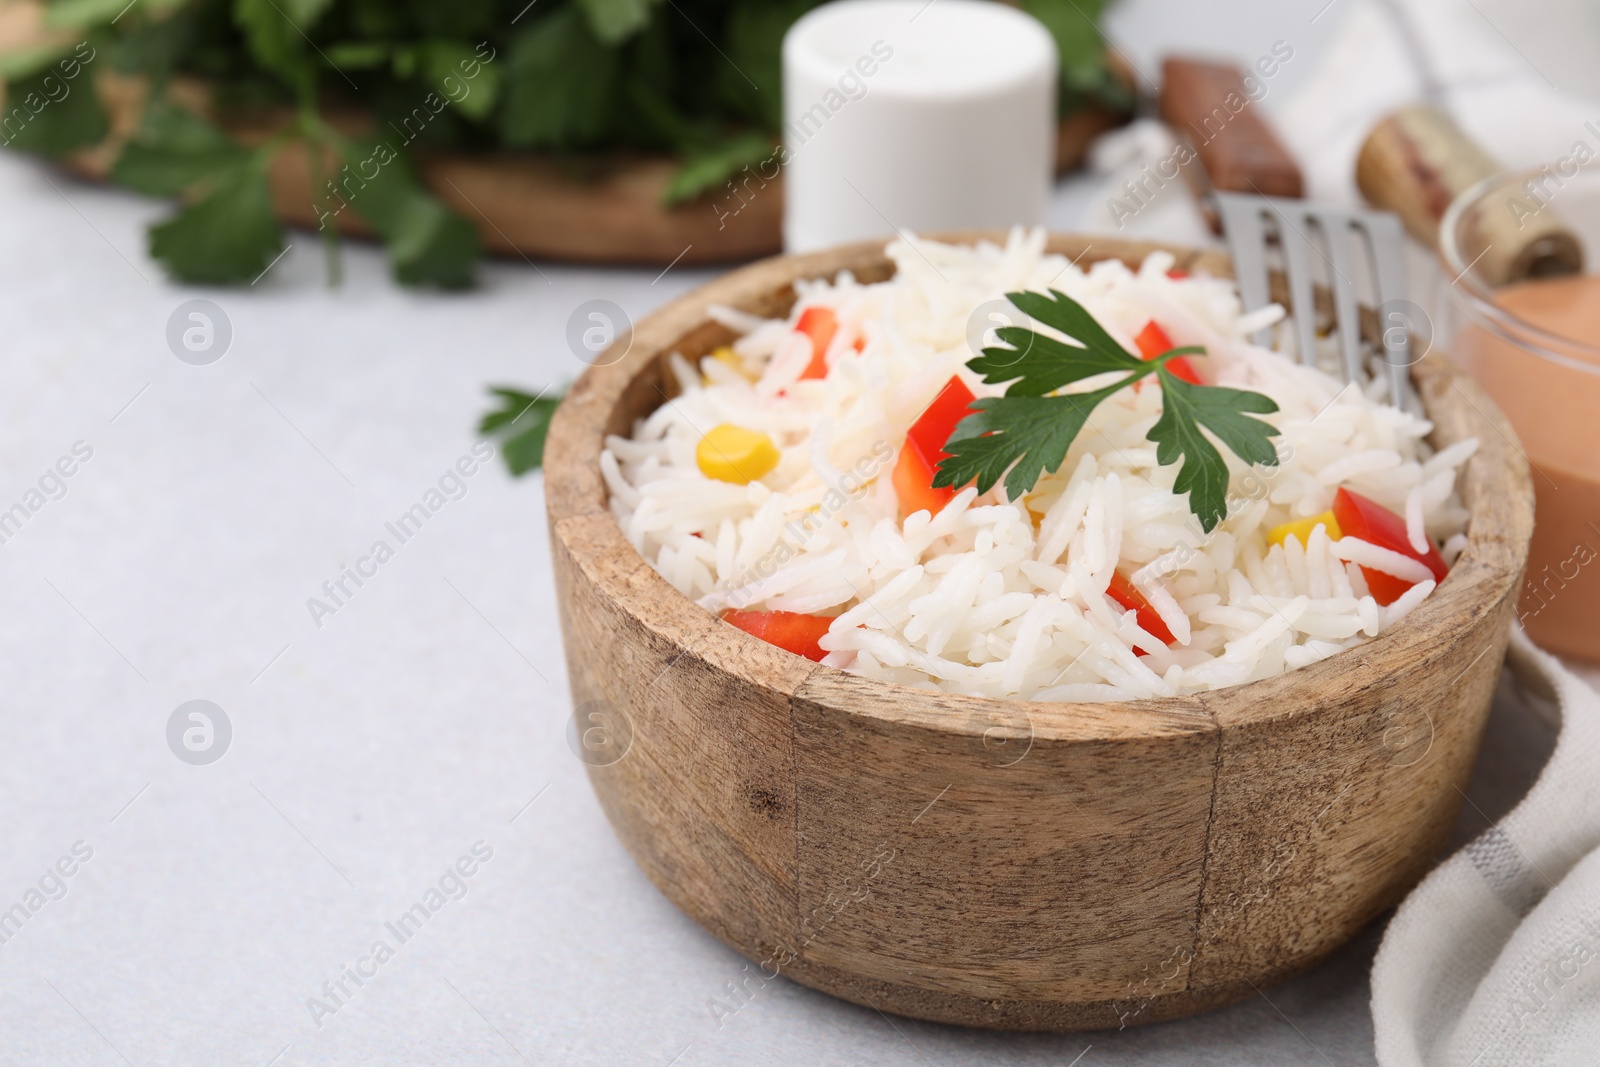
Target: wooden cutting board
603,209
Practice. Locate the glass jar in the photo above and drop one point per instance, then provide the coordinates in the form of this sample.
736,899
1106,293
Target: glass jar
1534,346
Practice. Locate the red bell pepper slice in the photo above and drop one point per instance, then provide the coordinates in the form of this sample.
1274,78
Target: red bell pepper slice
1153,341
1375,524
819,324
913,484
924,450
935,425
1127,594
789,630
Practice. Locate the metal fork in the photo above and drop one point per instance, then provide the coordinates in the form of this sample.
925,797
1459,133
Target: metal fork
1251,222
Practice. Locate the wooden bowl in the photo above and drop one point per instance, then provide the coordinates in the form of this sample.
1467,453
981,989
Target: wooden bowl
999,863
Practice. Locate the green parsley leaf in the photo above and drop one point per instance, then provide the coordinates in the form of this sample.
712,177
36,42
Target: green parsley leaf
708,167
174,150
1204,474
275,31
1026,434
560,84
51,114
520,423
446,64
748,75
358,55
1081,47
154,47
650,118
229,235
1037,365
80,14
93,14
87,14
1030,429
433,245
428,243
16,64
1073,24
614,21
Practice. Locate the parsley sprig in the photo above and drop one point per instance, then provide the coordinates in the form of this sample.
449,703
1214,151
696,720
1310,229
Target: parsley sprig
1028,431
520,424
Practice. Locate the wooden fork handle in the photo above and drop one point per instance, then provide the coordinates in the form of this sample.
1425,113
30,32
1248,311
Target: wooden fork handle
1208,105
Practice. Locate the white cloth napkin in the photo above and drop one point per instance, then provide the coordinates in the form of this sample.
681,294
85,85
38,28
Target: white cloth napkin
1494,960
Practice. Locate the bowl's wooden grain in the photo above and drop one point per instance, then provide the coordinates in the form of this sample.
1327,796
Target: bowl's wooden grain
1005,864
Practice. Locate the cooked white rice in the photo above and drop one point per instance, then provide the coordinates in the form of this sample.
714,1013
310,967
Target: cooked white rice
1007,598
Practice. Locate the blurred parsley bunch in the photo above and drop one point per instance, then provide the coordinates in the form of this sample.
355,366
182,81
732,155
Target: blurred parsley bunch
698,79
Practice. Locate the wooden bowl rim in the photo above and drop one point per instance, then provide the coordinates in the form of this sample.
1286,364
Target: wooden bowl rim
1496,486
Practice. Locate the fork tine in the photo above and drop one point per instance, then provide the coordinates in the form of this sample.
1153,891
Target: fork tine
1387,244
1297,265
1339,230
1247,245
1244,226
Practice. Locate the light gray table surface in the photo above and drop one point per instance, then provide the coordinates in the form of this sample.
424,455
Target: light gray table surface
424,717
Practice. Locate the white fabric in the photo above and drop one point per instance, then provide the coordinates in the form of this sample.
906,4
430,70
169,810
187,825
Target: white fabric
1495,959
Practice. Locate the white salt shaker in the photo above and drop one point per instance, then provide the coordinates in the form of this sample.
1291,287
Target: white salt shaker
915,116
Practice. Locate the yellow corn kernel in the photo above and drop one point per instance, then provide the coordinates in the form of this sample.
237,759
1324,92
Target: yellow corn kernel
734,454
1301,529
726,355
